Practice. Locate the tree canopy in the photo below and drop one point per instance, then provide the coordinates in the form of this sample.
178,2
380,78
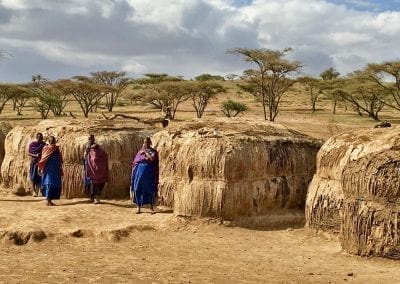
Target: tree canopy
117,80
272,76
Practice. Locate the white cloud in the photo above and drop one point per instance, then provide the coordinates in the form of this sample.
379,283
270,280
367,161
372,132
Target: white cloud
132,66
189,37
14,4
349,38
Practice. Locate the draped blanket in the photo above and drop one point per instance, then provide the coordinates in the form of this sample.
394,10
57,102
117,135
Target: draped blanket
35,148
141,158
97,165
47,152
144,179
51,166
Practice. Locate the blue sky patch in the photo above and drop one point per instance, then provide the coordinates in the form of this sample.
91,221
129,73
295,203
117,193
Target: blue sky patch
370,5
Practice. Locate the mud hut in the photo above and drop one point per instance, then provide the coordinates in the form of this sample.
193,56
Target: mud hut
4,129
356,190
228,168
121,139
325,194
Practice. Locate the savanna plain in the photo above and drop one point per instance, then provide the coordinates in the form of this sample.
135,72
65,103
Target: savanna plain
108,243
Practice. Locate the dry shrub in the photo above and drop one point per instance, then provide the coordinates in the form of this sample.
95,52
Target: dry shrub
19,237
120,139
356,191
234,167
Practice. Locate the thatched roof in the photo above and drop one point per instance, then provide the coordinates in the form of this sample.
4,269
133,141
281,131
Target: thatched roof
356,190
234,167
121,139
4,129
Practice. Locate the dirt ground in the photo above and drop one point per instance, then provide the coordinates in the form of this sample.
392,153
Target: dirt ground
108,243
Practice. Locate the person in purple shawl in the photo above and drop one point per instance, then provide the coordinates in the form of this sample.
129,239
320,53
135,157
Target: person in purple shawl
35,152
145,175
96,169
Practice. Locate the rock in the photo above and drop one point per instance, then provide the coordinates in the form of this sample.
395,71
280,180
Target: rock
227,223
383,124
19,190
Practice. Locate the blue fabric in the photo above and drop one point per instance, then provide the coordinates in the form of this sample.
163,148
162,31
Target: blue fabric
144,183
86,179
51,180
34,173
51,192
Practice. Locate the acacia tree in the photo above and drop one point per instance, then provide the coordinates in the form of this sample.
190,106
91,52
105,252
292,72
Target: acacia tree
231,108
363,94
272,75
201,93
155,78
209,77
167,95
43,103
231,76
22,94
87,94
133,93
331,85
313,87
50,96
59,92
387,76
7,92
162,91
114,79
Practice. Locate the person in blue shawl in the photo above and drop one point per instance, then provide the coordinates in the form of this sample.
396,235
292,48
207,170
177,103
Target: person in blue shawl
50,165
35,152
145,175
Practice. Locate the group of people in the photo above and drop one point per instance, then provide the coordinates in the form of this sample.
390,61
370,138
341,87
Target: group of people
46,171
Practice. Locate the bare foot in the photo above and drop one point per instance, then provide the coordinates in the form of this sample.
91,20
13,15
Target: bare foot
50,203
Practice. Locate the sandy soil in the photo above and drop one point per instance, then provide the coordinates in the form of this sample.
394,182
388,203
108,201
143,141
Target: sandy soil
108,243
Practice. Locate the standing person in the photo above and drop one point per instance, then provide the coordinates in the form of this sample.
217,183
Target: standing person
50,165
35,152
96,169
145,175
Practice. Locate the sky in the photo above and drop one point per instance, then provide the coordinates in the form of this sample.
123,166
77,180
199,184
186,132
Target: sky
61,39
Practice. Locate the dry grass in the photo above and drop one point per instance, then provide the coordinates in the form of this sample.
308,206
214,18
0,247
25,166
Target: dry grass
78,242
295,112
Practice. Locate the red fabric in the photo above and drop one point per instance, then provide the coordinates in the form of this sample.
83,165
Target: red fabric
97,165
47,151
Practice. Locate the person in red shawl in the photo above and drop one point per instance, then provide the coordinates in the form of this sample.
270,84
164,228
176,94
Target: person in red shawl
96,169
35,151
145,175
50,165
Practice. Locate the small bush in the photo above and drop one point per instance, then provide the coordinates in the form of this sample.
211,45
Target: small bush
231,108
